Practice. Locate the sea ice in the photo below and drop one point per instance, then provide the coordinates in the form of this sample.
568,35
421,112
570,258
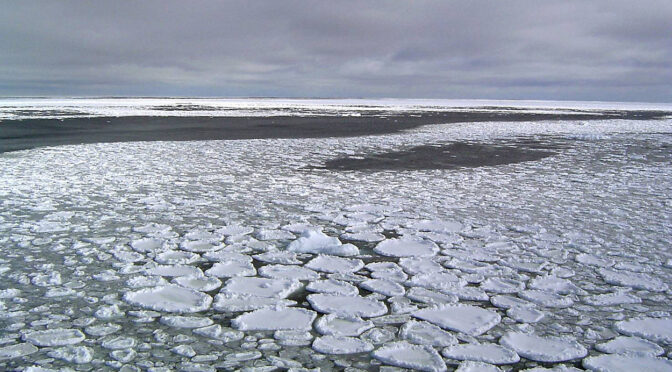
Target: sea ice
467,319
179,321
407,355
627,363
227,302
73,354
316,242
202,284
261,287
332,286
424,333
546,299
502,285
341,345
289,272
332,324
348,306
273,319
174,270
332,264
543,349
488,353
420,265
170,298
430,297
438,226
654,329
611,299
17,350
473,366
630,345
406,248
147,245
54,337
384,287
525,314
280,257
554,284
633,280
230,269
200,246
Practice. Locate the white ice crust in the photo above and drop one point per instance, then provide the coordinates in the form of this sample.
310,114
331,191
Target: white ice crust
467,319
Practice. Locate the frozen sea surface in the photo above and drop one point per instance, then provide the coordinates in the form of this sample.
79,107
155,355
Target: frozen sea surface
231,254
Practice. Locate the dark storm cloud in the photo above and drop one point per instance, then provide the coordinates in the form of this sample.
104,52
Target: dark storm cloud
605,50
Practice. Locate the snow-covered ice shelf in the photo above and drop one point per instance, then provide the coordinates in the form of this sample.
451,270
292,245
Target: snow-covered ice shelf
234,254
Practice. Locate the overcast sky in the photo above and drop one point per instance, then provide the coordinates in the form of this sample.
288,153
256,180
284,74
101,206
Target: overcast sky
576,50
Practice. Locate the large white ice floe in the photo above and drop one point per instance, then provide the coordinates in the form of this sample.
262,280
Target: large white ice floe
73,354
438,226
333,324
633,280
147,244
17,350
316,242
202,284
230,269
170,298
407,355
261,287
174,270
384,287
227,302
406,247
467,319
341,345
630,345
278,257
347,305
627,363
178,321
424,333
54,337
332,264
611,299
488,353
543,349
290,272
273,319
654,329
546,299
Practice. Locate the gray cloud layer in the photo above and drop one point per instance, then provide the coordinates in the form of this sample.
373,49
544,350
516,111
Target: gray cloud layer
596,50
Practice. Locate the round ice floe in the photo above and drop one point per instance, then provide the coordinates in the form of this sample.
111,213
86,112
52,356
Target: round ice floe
261,287
200,246
589,259
633,280
203,284
230,269
543,349
502,285
349,306
291,272
471,266
508,302
393,275
384,287
153,228
364,236
316,242
332,264
73,354
654,329
430,297
178,321
117,343
437,280
244,302
524,314
176,257
627,363
170,298
336,325
531,266
611,299
54,337
438,226
273,319
341,345
424,333
204,235
473,366
145,281
466,293
225,256
102,329
553,284
420,265
488,353
235,230
147,245
174,270
17,350
630,345
271,234
406,248
467,319
406,355
547,299
281,257
128,256
332,286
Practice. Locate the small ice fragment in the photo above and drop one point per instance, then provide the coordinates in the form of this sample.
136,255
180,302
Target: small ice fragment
543,349
273,319
406,355
347,305
488,353
406,248
467,319
54,337
472,366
